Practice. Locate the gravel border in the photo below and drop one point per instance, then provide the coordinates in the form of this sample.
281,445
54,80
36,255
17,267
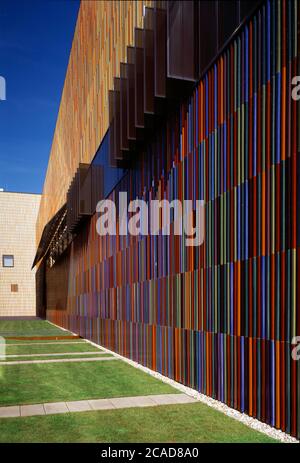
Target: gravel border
213,403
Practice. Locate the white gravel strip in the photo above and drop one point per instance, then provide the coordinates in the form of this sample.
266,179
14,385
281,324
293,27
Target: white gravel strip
213,403
60,327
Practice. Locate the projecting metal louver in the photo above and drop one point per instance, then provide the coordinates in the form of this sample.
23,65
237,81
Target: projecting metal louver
177,44
145,86
85,191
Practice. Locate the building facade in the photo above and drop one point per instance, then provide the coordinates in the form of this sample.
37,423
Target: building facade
195,103
18,215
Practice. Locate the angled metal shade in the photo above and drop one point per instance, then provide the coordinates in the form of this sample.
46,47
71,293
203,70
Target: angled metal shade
47,235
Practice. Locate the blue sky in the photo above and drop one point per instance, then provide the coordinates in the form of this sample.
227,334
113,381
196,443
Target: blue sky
35,42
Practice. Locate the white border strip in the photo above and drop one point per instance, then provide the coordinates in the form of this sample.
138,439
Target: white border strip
213,403
61,328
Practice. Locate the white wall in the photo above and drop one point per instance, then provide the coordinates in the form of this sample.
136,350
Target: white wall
18,215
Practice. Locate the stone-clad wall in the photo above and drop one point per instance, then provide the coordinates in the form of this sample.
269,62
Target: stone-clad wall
18,214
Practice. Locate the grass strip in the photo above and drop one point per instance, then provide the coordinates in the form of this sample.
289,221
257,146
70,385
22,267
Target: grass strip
171,423
38,383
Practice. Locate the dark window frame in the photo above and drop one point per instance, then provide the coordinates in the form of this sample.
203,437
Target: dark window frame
8,256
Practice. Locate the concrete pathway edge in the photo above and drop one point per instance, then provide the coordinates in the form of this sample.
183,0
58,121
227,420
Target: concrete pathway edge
53,408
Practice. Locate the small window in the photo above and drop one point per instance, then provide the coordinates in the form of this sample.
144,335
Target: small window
8,261
14,288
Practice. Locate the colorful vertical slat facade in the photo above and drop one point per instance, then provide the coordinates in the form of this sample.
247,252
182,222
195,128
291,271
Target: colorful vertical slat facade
221,317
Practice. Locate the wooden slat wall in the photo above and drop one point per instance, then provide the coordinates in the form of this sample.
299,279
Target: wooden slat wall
83,114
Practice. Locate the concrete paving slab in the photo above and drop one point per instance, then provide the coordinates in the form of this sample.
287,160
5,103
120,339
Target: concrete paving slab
123,402
143,401
79,406
10,412
94,404
184,399
101,404
32,410
55,407
164,399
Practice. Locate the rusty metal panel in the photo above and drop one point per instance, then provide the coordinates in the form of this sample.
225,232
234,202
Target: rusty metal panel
149,61
117,143
85,190
247,7
182,40
131,131
208,36
228,19
112,148
97,177
79,197
139,79
124,143
160,52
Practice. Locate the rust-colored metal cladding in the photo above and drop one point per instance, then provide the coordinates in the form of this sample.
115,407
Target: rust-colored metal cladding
160,53
131,130
83,117
148,45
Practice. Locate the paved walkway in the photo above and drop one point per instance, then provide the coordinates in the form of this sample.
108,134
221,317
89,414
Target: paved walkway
88,359
53,354
94,404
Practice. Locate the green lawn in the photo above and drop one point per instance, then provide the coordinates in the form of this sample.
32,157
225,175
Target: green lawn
52,349
29,328
172,424
37,383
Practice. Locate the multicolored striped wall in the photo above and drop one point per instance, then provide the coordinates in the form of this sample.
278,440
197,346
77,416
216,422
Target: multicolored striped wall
221,317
